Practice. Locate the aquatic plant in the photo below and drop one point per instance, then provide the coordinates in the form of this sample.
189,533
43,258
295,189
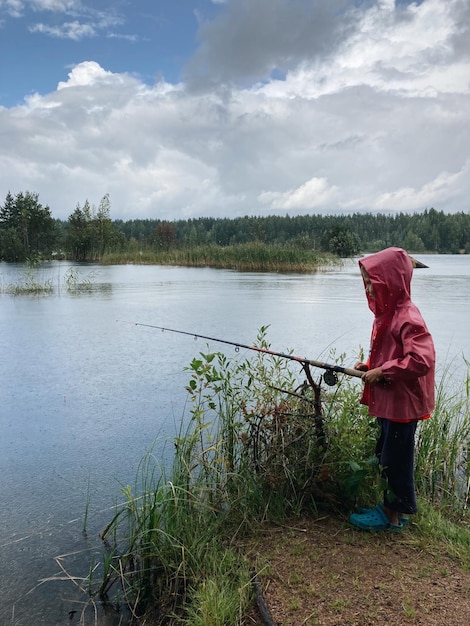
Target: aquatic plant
249,257
29,283
32,280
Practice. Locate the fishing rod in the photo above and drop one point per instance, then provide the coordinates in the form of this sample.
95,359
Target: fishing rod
329,377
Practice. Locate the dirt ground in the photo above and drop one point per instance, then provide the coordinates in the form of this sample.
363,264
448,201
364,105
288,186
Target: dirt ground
324,572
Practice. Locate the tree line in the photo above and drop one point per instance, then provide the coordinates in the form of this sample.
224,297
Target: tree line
28,232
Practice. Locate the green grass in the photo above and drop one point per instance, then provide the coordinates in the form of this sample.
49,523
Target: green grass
247,257
436,532
443,443
251,453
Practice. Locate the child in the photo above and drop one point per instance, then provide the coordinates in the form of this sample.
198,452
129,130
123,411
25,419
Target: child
399,382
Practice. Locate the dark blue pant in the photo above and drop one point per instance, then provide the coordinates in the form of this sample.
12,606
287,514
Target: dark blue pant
395,450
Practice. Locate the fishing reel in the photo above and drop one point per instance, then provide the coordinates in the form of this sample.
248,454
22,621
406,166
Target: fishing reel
330,377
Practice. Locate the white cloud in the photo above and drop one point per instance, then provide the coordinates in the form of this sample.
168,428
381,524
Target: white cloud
409,51
313,194
61,6
87,73
439,191
85,20
14,8
17,8
68,30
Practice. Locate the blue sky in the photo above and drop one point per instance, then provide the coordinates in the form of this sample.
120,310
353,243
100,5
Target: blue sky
189,108
40,39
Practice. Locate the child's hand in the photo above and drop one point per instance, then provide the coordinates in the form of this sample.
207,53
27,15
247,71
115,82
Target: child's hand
374,376
362,367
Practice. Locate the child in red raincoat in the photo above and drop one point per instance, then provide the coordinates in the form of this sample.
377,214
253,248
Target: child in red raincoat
399,382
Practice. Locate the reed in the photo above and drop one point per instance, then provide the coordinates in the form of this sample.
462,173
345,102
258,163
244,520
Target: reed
33,280
30,283
164,547
249,257
443,447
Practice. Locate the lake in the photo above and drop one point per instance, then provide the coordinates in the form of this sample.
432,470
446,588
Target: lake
85,393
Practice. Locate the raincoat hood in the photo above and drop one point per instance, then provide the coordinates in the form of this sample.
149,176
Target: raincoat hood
390,273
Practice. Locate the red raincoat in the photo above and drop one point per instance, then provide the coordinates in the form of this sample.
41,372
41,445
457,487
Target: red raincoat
400,344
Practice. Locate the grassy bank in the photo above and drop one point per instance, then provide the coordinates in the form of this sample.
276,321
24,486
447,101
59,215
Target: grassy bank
256,449
248,257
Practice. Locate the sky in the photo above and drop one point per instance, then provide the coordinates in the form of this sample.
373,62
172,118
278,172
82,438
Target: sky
183,109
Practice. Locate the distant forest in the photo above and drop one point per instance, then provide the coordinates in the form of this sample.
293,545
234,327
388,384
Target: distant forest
28,231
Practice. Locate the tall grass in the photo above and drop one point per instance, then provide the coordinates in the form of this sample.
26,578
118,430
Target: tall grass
166,551
255,256
30,283
33,280
256,448
443,447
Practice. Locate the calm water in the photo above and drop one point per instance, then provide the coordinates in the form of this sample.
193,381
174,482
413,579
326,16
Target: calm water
83,394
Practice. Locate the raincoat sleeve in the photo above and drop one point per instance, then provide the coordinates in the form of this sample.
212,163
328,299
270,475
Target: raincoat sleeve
415,357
